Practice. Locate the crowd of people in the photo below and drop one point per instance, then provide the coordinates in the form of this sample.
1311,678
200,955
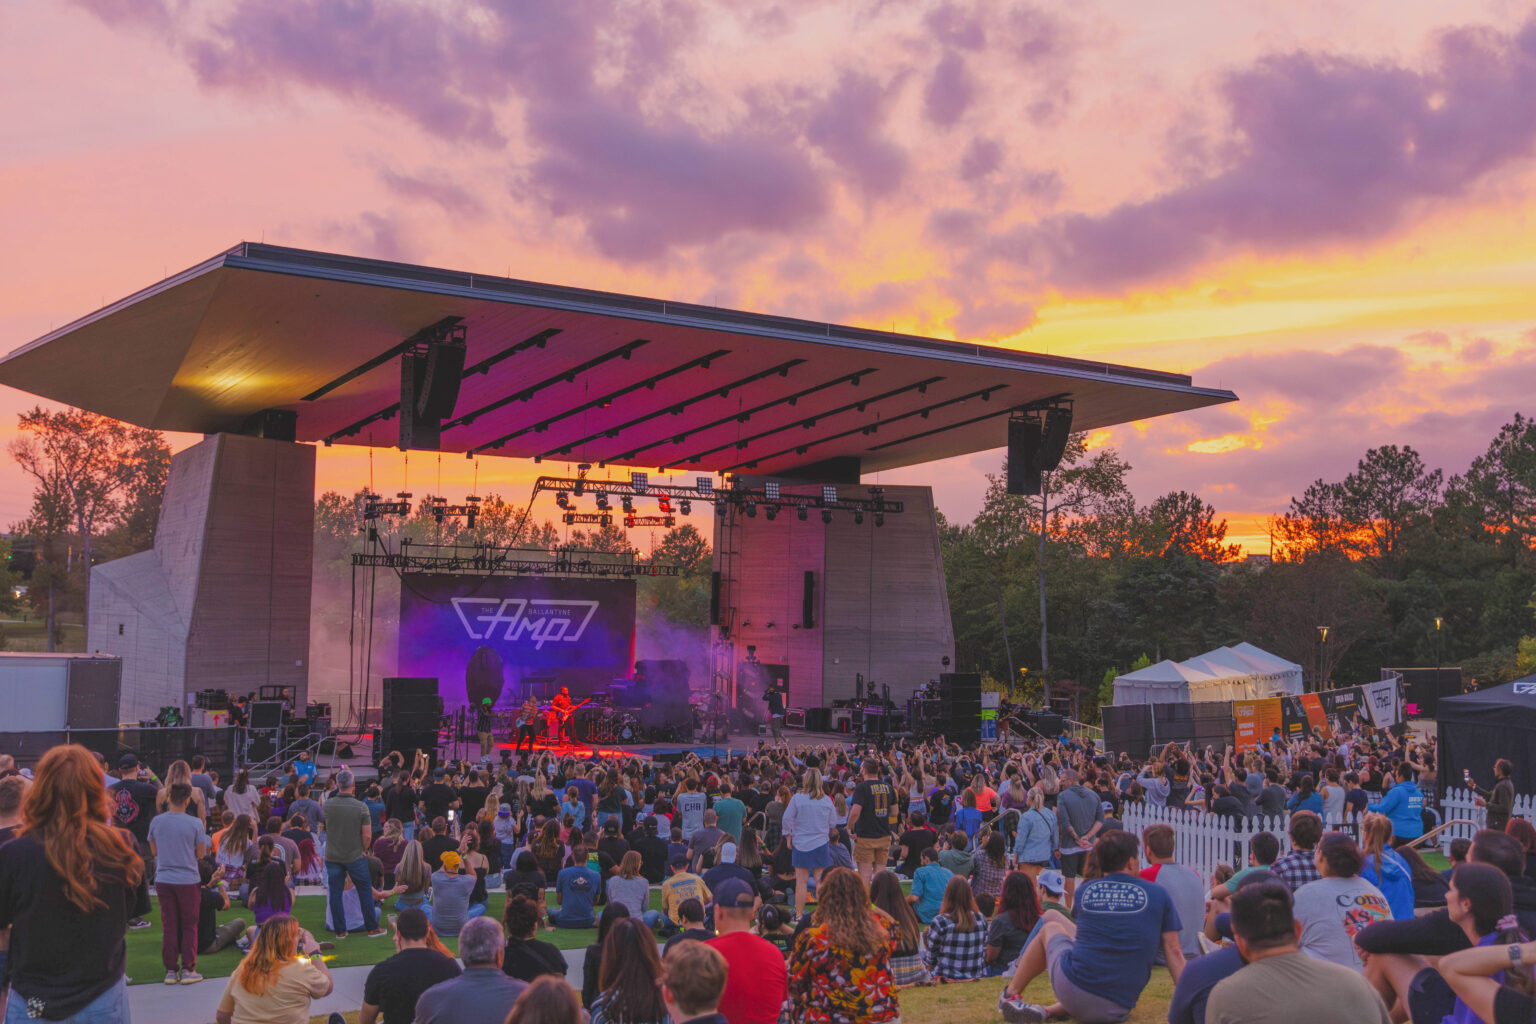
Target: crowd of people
799,885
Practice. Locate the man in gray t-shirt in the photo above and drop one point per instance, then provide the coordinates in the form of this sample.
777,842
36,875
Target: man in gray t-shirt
1332,912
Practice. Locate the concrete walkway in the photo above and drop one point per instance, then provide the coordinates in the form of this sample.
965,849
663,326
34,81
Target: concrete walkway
196,1004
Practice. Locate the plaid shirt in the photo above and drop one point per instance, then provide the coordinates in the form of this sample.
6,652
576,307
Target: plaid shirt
1296,868
956,955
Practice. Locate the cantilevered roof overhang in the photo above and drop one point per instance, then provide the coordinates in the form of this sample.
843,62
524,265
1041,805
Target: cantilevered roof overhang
554,372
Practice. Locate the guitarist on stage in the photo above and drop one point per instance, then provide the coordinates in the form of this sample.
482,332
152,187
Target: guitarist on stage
526,716
561,706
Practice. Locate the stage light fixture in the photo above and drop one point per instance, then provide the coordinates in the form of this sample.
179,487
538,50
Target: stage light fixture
706,485
720,509
879,518
602,501
562,499
751,510
858,517
685,506
828,494
771,490
628,503
771,511
826,516
800,513
639,481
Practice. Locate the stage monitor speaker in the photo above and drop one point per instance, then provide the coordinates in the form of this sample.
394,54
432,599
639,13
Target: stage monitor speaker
260,748
714,599
794,718
818,719
266,714
1023,450
808,601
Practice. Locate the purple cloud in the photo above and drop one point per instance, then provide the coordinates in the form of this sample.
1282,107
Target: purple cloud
1328,150
982,156
847,126
950,91
433,187
954,25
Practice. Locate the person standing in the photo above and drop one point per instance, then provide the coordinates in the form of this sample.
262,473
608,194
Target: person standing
349,833
1080,813
394,986
1403,805
66,929
484,719
869,819
807,824
527,716
1500,800
730,812
177,841
133,804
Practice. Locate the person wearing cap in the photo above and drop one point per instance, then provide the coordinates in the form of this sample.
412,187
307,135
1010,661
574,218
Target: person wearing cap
505,827
451,889
681,885
484,720
349,834
394,985
726,866
757,981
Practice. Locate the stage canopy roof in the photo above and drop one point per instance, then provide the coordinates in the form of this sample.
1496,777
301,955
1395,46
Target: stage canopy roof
554,372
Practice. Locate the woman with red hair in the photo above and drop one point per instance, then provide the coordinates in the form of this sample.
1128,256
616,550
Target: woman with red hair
67,886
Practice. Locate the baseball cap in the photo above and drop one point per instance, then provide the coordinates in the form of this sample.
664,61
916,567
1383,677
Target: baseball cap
728,853
1051,881
450,861
128,761
679,861
504,811
486,700
733,892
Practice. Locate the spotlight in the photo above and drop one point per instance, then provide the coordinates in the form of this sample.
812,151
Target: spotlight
562,499
720,509
800,513
826,516
771,490
879,518
602,501
628,503
685,506
858,517
771,511
828,494
751,510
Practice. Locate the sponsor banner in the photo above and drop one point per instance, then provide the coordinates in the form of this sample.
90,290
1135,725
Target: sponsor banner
1342,707
1302,715
1256,722
1383,702
503,637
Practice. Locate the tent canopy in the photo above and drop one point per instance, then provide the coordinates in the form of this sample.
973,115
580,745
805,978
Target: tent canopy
1478,728
1244,672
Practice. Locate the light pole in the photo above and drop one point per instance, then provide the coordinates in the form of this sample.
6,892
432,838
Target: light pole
1322,655
1438,623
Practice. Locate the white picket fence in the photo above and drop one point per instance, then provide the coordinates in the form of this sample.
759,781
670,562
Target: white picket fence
1461,804
1206,840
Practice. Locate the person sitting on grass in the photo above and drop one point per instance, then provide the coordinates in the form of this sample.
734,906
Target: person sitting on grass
484,993
629,984
956,943
907,966
1280,983
577,890
278,978
693,981
928,883
1100,964
592,961
1014,918
394,985
682,885
690,915
214,897
528,957
451,889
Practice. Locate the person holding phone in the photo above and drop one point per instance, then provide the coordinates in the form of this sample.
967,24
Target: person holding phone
278,978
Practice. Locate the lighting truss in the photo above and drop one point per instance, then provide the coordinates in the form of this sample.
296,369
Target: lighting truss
631,522
484,560
737,494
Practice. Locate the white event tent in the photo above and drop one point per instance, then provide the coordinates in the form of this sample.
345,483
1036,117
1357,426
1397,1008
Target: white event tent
1243,672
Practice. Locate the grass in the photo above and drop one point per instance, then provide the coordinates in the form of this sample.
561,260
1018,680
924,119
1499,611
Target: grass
357,950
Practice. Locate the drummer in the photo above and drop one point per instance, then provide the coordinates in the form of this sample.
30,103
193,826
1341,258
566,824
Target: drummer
527,715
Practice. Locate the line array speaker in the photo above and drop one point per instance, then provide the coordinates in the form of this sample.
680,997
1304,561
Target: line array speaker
808,601
1023,443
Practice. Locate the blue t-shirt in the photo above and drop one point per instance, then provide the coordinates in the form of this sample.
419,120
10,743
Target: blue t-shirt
579,889
1395,882
968,820
928,884
305,770
730,813
1404,804
1121,921
587,790
1200,976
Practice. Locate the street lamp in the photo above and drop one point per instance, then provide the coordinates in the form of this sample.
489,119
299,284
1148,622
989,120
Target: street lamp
1438,623
1322,655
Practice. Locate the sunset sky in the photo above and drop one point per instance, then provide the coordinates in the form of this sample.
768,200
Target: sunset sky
1324,206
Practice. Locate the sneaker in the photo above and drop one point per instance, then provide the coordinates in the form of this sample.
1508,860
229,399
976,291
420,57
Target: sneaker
326,946
138,923
172,977
1017,1011
377,933
340,936
190,977
243,944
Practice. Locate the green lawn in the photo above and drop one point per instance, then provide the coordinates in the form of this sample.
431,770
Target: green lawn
355,950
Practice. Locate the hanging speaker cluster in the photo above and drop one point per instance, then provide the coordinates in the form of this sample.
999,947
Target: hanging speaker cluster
1037,440
431,369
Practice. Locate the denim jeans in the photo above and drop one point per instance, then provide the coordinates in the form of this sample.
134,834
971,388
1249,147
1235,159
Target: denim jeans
111,1007
560,920
651,918
336,875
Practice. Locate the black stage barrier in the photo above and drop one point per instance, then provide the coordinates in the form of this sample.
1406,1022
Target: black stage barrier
1139,729
155,747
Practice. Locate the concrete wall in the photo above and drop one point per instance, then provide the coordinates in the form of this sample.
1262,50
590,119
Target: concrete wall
880,605
223,599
